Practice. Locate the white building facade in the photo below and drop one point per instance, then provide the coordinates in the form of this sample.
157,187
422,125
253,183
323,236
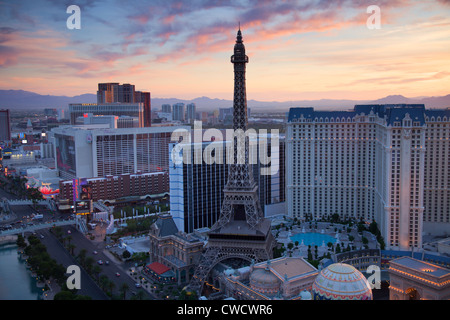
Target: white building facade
370,164
97,150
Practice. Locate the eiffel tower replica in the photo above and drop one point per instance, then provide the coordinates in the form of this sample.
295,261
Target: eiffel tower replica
241,230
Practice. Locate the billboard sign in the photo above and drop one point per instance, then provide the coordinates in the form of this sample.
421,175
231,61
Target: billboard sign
83,207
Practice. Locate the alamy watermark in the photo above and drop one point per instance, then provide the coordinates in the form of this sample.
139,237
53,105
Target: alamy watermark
263,147
74,280
375,278
374,21
73,21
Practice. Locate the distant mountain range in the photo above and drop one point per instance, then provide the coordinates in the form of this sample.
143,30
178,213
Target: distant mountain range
19,99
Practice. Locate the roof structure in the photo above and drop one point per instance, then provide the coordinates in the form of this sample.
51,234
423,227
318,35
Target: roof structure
158,268
390,112
422,266
341,281
166,225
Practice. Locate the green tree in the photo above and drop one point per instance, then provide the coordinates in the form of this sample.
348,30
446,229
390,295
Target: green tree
96,270
126,254
82,256
335,218
123,289
111,286
21,241
64,295
104,281
71,247
89,262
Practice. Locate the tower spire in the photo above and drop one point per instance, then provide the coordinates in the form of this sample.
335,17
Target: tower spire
239,34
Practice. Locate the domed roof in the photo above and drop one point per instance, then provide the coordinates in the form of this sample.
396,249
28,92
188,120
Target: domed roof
341,281
264,278
264,281
305,295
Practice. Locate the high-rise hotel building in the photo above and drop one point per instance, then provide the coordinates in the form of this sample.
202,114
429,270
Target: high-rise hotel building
5,125
131,110
388,163
114,99
98,151
113,92
196,186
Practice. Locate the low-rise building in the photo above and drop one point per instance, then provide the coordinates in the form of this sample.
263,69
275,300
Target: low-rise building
114,189
412,279
285,278
178,251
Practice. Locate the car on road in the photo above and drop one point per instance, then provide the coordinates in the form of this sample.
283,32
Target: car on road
100,262
117,274
95,252
138,285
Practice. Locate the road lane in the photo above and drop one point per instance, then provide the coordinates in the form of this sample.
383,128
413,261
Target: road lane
80,242
62,256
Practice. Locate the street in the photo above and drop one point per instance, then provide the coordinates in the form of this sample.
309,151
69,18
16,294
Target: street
115,271
111,270
61,255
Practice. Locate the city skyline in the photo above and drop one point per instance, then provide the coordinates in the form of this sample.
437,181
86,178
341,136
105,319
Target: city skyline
307,50
354,199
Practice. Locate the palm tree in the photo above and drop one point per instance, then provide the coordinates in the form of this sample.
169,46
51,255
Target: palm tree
58,233
71,247
111,286
69,238
88,263
124,288
97,269
82,256
140,295
104,281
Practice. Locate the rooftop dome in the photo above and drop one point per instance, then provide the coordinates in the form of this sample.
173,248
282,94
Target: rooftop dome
305,295
341,281
264,281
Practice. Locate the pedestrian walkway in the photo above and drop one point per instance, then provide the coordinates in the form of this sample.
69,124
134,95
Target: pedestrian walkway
54,288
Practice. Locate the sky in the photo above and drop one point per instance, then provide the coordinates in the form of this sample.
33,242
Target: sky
298,50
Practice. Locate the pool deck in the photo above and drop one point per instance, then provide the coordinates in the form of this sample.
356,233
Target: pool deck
324,228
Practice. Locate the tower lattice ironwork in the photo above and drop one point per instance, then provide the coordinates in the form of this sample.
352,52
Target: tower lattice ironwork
241,230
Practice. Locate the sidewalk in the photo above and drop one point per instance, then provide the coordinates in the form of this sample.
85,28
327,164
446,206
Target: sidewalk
50,294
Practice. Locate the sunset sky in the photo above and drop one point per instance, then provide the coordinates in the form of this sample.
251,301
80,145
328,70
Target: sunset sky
181,49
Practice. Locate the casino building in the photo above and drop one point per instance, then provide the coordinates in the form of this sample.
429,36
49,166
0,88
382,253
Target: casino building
196,187
340,281
412,279
387,163
88,151
120,188
285,278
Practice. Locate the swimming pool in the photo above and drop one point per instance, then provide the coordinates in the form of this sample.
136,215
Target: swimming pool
313,238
